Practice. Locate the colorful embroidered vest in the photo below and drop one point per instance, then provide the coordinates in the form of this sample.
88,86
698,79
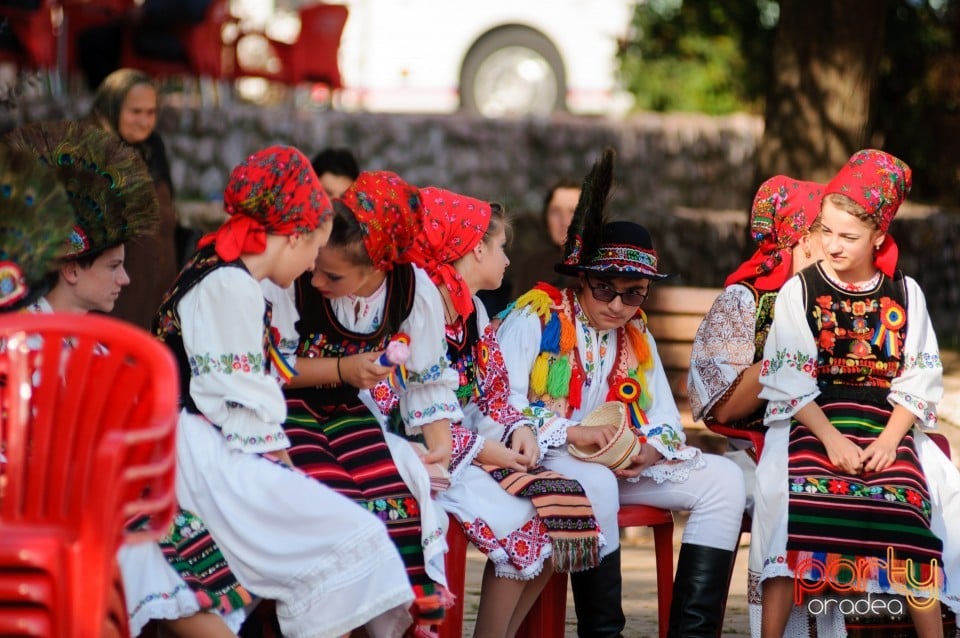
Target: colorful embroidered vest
465,351
859,334
764,303
322,335
167,328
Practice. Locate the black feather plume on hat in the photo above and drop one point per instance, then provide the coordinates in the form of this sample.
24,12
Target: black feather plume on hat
590,215
107,182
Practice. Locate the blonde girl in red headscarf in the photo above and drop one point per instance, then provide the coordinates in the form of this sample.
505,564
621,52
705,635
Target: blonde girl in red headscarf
851,494
281,532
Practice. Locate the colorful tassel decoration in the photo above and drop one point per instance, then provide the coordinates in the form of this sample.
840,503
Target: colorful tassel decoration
550,337
575,396
539,373
537,300
640,346
558,379
568,335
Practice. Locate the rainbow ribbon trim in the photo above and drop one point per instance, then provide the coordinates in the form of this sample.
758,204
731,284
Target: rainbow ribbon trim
282,366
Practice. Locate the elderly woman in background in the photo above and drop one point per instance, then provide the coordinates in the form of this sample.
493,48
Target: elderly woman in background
125,104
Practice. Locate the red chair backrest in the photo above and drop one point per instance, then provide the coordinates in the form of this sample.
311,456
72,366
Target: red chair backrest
35,30
204,42
88,412
316,50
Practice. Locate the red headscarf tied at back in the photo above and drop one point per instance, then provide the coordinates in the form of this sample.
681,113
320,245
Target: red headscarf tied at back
879,182
453,225
783,210
273,191
388,211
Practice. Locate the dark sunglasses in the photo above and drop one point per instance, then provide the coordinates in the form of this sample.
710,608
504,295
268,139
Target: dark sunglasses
607,294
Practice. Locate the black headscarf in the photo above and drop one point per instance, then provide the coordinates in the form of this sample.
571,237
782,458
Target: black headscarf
107,104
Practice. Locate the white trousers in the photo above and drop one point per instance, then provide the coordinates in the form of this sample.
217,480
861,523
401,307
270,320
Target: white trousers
714,495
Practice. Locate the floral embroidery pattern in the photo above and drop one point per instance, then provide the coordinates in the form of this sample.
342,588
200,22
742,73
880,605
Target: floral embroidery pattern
257,440
922,361
799,360
522,547
393,509
226,363
432,373
856,489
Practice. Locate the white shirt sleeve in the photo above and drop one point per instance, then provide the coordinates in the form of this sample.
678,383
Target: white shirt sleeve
431,384
788,373
723,348
222,323
919,387
519,338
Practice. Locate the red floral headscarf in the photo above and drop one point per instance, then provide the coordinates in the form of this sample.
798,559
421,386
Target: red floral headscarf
879,182
453,225
388,211
783,210
273,191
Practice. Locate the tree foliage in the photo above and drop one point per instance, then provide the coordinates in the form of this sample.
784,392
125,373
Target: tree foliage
714,57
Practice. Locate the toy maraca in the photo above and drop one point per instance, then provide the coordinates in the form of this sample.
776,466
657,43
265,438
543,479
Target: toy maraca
397,351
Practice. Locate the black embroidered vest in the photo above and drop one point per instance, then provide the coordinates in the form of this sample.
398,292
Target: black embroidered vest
321,335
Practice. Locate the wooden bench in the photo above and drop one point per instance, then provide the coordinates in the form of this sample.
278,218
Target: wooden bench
673,314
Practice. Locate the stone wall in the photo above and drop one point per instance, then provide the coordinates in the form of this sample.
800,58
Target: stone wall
689,178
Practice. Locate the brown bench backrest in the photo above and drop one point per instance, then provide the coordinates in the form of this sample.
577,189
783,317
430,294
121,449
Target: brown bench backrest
674,313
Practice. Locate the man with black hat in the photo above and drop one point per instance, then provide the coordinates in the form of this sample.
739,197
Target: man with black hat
570,351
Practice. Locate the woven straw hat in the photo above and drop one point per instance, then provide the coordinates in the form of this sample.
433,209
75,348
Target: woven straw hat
622,447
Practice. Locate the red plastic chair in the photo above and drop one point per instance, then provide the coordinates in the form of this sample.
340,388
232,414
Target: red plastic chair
547,617
207,55
80,15
89,410
313,57
37,32
455,564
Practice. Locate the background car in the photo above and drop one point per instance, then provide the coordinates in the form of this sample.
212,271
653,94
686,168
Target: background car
495,58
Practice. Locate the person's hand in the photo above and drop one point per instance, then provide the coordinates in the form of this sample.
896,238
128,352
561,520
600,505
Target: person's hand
499,455
879,455
284,457
439,454
648,456
362,370
524,442
587,437
844,453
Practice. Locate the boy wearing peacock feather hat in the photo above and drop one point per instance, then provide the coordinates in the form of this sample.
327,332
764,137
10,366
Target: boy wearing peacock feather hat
569,353
35,221
113,201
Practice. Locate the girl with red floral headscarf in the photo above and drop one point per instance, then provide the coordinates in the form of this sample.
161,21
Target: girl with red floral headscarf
725,363
335,324
525,519
279,530
851,375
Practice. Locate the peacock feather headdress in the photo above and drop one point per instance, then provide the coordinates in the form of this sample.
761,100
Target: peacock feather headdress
106,181
35,221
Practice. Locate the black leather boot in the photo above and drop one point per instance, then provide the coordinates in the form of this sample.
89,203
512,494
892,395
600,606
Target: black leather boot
596,596
699,591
